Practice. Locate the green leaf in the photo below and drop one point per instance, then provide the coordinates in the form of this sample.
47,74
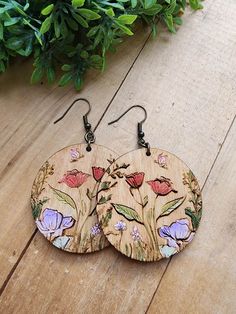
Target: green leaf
89,14
78,82
105,185
64,197
124,28
170,23
37,75
110,12
178,20
48,9
153,10
127,212
77,3
2,66
195,218
170,9
56,28
149,3
46,25
169,207
93,31
80,20
127,19
14,43
50,75
65,79
134,3
1,31
195,4
66,67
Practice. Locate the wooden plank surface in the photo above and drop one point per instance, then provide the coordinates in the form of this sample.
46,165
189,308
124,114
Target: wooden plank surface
29,137
187,84
206,278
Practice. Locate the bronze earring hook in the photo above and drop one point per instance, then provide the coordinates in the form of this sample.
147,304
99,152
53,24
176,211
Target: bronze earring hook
141,141
89,135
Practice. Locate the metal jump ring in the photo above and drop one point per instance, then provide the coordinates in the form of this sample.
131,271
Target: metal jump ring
89,137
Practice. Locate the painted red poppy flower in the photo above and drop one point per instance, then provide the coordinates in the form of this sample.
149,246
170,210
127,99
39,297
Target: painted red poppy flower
162,186
98,173
74,178
135,180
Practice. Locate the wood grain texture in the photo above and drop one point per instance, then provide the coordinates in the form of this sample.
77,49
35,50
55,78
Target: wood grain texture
64,197
152,206
205,278
187,84
29,137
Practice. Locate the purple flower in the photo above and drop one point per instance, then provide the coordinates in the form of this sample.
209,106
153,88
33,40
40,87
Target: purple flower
120,225
74,154
177,234
136,236
96,229
53,223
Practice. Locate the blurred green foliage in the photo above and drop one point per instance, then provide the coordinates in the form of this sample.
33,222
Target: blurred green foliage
76,34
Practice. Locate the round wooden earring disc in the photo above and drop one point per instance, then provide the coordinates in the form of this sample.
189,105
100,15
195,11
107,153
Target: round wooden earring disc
152,205
64,198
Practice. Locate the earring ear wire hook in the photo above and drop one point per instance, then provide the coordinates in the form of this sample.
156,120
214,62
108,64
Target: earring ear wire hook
141,141
89,135
124,113
69,108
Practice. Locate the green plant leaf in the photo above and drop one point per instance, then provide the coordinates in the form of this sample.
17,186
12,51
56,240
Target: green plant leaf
149,3
195,218
77,3
127,19
1,31
64,197
124,28
195,4
65,79
169,207
134,3
37,75
50,75
48,9
168,18
127,212
89,14
46,25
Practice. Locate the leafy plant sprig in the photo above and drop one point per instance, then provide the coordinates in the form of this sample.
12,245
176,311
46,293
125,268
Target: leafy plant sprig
75,35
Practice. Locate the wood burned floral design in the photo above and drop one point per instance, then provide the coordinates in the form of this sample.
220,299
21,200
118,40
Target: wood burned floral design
64,202
151,220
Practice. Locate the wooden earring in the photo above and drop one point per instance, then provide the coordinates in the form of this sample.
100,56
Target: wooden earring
152,206
64,194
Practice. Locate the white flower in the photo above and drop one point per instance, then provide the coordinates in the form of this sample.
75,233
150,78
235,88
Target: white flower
135,234
167,251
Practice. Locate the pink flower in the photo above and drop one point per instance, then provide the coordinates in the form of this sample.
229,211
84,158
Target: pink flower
162,186
98,173
135,180
74,178
162,160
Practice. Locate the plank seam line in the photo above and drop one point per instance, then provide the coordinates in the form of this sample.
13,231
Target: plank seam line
17,263
122,82
35,232
219,151
210,170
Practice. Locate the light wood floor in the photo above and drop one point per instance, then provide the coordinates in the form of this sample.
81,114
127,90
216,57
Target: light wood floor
187,82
